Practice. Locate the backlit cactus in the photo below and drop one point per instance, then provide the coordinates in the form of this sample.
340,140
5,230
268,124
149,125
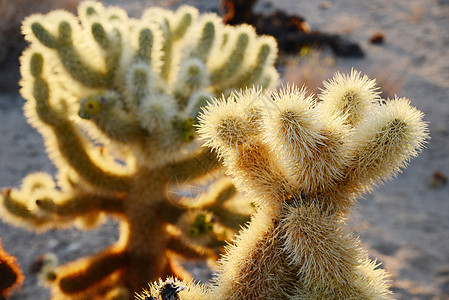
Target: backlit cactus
11,277
116,100
305,162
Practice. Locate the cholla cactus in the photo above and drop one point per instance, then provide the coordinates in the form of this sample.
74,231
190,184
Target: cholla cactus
135,87
11,276
306,161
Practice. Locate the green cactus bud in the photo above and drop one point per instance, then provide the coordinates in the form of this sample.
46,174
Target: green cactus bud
193,231
187,130
200,219
94,104
188,136
89,107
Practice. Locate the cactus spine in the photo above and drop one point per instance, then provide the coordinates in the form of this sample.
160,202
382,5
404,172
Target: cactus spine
306,162
135,87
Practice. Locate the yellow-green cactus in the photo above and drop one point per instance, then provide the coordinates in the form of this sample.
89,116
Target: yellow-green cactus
116,100
305,162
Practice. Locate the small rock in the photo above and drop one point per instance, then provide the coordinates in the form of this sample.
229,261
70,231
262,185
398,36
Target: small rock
437,180
377,38
444,287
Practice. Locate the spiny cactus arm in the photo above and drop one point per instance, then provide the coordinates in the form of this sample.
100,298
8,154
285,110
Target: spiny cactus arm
195,104
389,137
167,51
196,166
184,18
10,274
63,138
234,61
79,205
148,40
329,259
111,44
88,274
141,83
349,96
207,36
310,142
43,207
15,209
192,77
174,27
284,257
266,51
72,60
92,10
242,263
70,57
232,129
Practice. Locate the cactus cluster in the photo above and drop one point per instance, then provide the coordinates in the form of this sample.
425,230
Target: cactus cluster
305,160
116,100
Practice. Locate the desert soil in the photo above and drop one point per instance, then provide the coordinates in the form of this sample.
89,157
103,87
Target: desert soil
403,223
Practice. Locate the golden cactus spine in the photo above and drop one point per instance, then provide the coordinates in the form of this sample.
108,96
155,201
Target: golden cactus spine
116,100
306,162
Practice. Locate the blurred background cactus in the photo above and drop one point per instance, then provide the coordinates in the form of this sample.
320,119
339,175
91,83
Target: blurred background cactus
12,14
305,162
116,100
10,274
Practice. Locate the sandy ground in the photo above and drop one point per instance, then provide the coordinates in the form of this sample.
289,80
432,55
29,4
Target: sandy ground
404,223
